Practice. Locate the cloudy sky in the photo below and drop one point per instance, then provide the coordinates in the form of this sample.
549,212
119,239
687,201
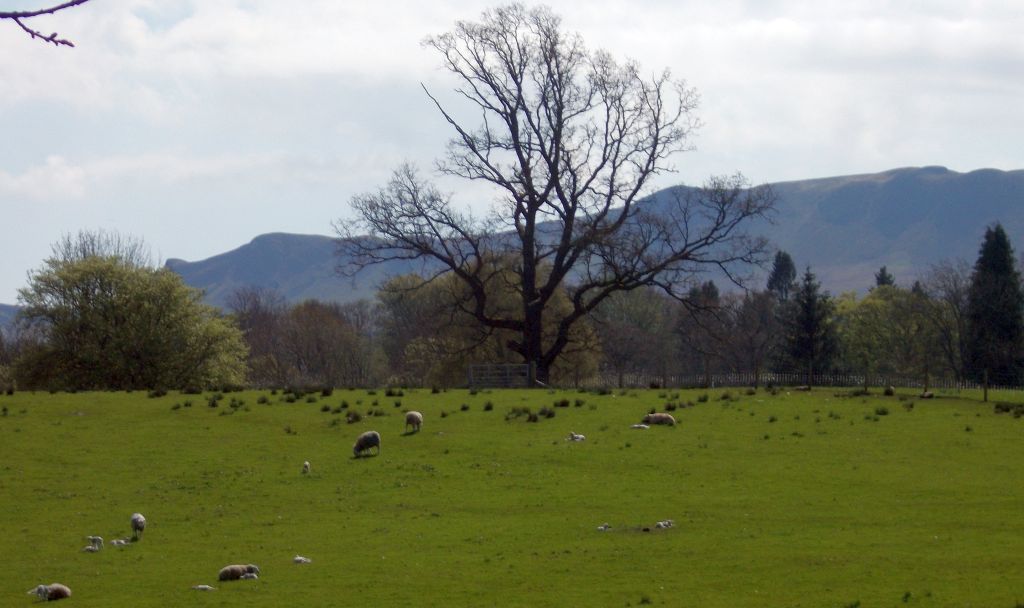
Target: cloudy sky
199,124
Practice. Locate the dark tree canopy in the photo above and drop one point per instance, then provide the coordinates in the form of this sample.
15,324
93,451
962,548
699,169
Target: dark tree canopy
783,276
810,335
883,277
995,325
569,139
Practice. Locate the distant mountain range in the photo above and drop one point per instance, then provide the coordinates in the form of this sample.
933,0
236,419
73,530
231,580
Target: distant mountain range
845,228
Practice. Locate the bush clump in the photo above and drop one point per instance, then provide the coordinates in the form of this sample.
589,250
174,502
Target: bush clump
352,417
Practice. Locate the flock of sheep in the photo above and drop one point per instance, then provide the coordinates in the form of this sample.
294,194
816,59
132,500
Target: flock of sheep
364,443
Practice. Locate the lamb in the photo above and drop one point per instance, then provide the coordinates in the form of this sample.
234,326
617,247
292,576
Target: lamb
53,591
121,542
639,426
298,559
660,418
235,572
138,525
575,437
663,525
249,576
204,588
366,441
95,541
90,549
305,468
413,419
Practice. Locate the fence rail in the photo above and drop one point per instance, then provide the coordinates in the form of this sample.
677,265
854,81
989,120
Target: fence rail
499,375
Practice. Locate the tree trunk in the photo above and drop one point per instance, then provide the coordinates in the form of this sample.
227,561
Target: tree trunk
985,385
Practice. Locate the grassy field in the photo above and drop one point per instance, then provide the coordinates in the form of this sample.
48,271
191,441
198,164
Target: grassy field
797,499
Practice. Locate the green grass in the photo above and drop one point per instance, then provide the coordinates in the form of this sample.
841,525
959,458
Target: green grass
827,505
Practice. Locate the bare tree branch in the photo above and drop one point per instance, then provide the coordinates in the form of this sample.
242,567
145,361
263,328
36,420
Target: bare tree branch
19,16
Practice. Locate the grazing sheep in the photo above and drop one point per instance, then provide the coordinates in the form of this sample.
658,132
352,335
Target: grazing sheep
235,572
660,418
575,437
138,525
53,591
639,426
305,467
366,441
413,419
96,541
298,559
204,588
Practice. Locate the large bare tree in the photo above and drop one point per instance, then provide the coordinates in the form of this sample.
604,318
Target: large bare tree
19,17
569,139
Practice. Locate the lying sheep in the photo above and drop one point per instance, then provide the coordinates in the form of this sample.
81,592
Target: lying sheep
660,418
53,591
663,525
235,572
305,468
413,419
138,525
249,576
121,542
204,588
95,541
90,549
575,437
366,441
639,426
298,559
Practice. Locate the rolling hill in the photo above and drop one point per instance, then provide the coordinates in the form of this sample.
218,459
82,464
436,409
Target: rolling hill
845,228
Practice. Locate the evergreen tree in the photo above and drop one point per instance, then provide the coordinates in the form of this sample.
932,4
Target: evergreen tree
884,277
810,333
995,313
781,280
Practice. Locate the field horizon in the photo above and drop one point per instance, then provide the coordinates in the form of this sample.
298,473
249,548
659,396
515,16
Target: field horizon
820,498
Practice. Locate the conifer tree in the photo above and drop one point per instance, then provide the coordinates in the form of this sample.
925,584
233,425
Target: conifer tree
810,333
783,277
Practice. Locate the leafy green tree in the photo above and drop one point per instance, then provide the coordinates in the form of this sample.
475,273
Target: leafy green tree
109,323
884,278
782,279
995,317
809,330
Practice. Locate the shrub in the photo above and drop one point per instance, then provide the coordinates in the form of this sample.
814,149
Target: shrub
546,412
465,407
263,400
726,396
881,411
344,404
772,418
434,390
289,398
444,414
670,407
188,404
532,418
889,391
192,390
327,391
579,403
561,403
326,408
311,399
398,403
174,407
157,392
751,392
488,406
703,398
353,417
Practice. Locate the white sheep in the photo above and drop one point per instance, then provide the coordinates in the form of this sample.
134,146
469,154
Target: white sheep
639,426
235,572
138,525
575,437
204,588
121,542
366,441
305,468
53,591
298,559
96,541
413,419
660,418
604,527
668,523
90,549
249,576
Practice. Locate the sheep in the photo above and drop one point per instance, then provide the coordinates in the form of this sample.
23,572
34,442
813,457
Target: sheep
366,441
413,419
575,437
204,588
96,541
235,572
121,542
660,418
90,549
604,527
298,559
53,591
663,525
138,525
639,426
305,467
249,576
